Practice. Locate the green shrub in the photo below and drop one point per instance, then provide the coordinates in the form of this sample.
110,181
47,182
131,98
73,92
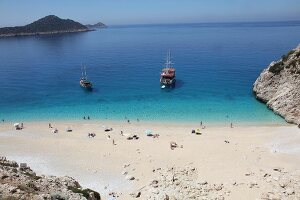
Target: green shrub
58,197
85,192
32,176
285,57
9,164
276,68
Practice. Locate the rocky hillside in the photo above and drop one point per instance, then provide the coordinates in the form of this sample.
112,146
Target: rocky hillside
48,25
21,183
279,86
98,25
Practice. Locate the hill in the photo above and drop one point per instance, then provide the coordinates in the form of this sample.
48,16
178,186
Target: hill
279,86
98,25
48,25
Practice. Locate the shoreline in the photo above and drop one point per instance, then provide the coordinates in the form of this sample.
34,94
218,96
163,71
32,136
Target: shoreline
155,122
44,33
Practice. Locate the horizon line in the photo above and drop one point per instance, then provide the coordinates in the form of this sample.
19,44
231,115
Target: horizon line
172,23
178,23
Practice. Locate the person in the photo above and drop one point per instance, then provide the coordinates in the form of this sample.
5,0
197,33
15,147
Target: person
2,120
201,123
83,117
22,125
50,125
231,125
113,142
121,133
137,120
128,121
88,117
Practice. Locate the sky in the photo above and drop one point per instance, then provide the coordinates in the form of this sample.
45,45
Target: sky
122,12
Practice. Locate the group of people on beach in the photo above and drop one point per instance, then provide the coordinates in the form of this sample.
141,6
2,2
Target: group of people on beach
88,118
55,130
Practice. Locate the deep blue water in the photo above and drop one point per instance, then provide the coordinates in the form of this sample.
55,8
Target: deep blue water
216,65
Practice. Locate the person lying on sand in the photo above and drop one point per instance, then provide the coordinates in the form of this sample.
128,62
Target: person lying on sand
173,145
91,135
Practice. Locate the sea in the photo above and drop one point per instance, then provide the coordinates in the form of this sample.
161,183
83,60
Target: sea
216,66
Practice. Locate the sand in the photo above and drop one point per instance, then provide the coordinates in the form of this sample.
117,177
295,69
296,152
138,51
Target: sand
98,164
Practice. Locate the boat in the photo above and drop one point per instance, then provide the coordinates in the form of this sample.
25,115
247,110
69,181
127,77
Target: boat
84,82
167,76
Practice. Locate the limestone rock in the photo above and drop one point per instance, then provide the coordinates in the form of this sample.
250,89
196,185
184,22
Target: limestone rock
23,183
279,86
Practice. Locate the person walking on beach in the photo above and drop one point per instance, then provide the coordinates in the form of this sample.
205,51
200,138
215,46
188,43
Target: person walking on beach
231,125
50,125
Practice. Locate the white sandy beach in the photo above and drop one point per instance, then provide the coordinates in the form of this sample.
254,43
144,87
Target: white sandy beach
98,164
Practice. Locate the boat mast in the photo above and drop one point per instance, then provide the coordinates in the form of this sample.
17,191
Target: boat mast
168,62
85,72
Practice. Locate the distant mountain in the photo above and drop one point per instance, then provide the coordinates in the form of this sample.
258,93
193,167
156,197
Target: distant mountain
48,25
98,25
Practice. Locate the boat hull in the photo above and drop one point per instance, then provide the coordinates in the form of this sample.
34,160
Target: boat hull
85,85
168,83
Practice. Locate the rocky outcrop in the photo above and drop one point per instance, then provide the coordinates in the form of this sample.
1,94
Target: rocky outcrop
20,182
175,183
279,86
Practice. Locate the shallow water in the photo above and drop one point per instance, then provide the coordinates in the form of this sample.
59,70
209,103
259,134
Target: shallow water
216,65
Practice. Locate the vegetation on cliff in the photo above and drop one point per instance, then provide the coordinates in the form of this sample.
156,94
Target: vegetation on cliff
48,24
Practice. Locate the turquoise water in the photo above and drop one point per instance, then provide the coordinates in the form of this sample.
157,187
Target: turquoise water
216,65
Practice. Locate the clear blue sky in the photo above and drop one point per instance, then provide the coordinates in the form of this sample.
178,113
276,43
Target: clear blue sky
114,12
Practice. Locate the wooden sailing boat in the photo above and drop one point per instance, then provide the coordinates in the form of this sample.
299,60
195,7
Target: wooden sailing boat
84,82
167,76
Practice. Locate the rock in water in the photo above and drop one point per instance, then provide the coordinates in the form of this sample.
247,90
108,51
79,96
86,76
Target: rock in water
279,86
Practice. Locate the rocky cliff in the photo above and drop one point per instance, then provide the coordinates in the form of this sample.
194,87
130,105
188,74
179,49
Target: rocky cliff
279,86
19,182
